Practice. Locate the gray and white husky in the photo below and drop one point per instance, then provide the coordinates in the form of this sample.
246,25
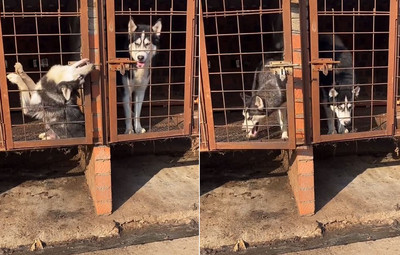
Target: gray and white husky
338,97
53,99
268,95
143,45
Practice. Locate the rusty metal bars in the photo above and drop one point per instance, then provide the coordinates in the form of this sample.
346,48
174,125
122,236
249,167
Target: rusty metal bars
224,78
31,35
167,108
367,33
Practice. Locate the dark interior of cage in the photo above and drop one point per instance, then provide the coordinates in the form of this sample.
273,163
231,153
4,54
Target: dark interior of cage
366,38
38,34
237,46
163,104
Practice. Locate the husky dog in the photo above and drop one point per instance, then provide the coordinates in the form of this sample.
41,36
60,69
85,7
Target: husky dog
338,100
54,98
267,96
143,44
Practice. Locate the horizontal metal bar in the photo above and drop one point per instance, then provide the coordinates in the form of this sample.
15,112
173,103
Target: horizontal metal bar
284,145
212,14
150,136
243,34
352,136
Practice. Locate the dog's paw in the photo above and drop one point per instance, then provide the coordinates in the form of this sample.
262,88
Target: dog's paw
332,132
129,131
346,131
140,130
284,135
14,78
18,68
42,136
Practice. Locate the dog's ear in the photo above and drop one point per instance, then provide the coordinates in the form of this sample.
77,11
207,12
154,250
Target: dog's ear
131,26
66,92
356,91
333,93
259,103
157,27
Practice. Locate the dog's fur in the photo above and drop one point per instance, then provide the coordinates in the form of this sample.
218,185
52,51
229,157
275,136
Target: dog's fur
267,96
338,101
54,98
144,42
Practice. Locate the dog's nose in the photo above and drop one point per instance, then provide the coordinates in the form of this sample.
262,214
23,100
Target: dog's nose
140,58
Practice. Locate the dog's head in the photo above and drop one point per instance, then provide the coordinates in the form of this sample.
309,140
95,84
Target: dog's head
68,78
254,114
143,42
341,103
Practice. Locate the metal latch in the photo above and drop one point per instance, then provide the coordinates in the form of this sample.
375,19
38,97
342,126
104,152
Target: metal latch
281,68
323,64
120,64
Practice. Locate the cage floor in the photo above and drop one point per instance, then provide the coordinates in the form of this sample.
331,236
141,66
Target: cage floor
174,121
233,132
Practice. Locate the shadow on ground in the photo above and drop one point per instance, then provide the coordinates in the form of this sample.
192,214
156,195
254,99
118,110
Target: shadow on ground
328,162
217,168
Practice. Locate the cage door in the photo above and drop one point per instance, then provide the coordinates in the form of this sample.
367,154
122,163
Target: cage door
150,69
353,49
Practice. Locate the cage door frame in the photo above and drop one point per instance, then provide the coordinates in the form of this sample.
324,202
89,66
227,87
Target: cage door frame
206,93
88,139
112,82
315,91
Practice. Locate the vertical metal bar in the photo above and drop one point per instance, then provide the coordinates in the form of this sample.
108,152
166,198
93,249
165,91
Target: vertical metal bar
190,23
288,55
306,71
4,97
206,83
392,66
314,50
112,88
84,24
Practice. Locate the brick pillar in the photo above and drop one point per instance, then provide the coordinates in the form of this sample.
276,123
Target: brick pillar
301,161
97,165
301,178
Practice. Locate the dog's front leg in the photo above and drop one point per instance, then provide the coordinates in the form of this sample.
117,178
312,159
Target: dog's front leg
283,123
140,91
127,100
24,94
28,81
330,115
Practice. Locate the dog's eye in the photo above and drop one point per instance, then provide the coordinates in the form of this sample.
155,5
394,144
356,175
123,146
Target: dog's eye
147,44
137,43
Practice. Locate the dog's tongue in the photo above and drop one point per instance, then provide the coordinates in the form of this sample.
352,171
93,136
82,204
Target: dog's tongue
139,64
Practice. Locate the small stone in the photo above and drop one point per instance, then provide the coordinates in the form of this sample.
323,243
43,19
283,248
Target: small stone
240,245
37,245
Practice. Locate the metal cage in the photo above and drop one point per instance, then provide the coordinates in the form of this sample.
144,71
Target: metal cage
237,38
167,105
353,46
40,34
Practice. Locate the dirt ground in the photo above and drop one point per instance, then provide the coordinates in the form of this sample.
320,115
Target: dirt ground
51,201
251,199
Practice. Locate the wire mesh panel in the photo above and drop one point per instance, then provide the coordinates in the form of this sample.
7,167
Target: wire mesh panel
356,38
248,68
152,96
36,36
